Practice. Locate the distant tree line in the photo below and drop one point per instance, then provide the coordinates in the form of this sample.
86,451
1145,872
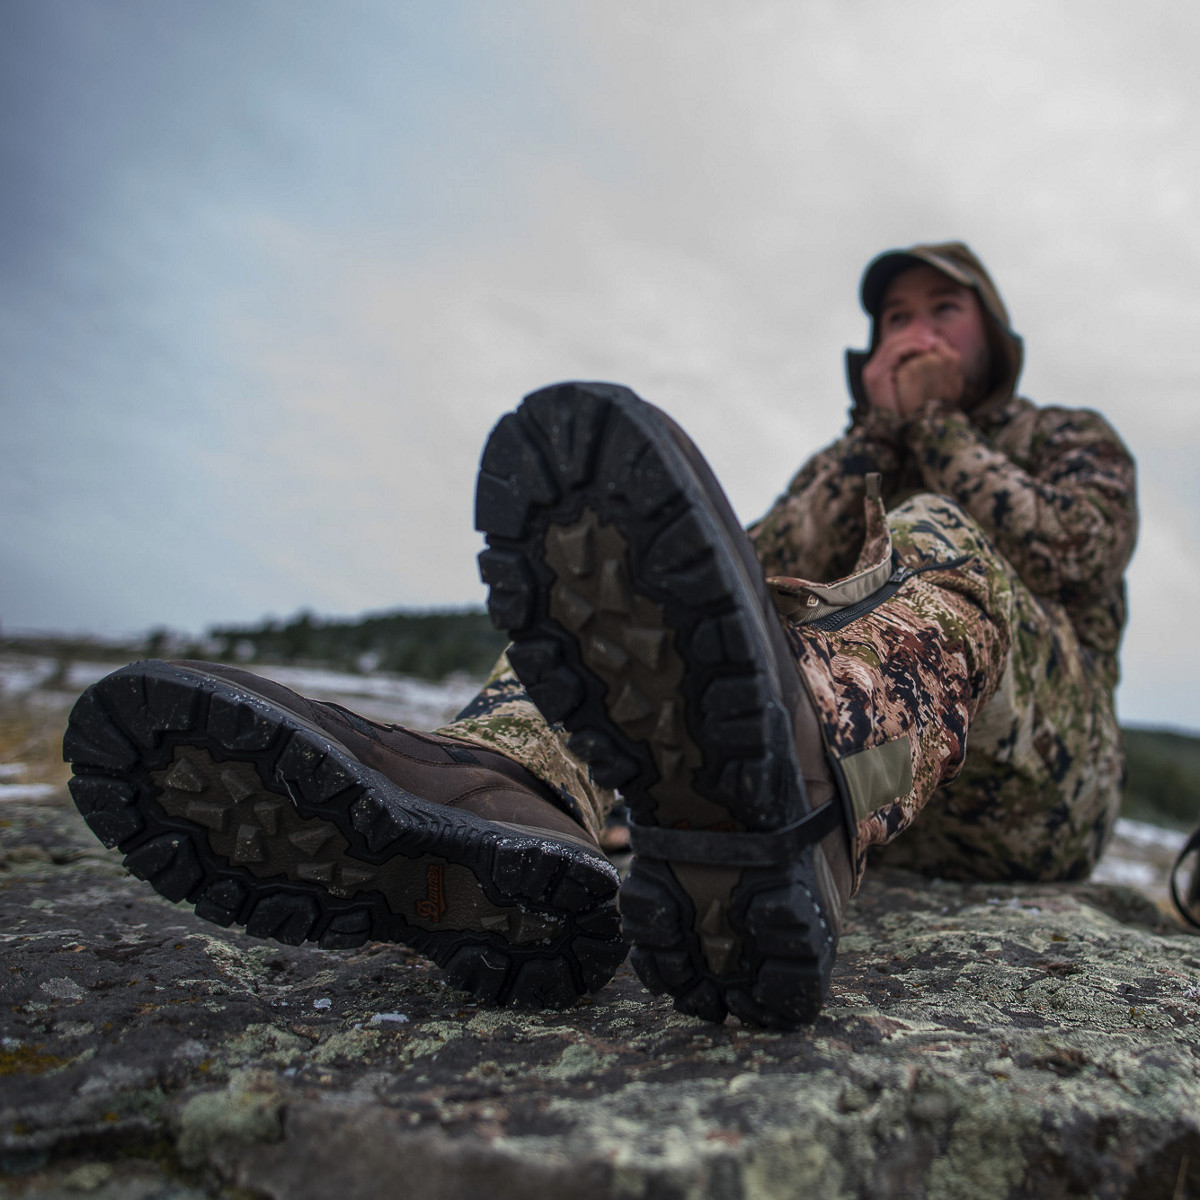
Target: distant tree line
1163,777
1162,783
430,645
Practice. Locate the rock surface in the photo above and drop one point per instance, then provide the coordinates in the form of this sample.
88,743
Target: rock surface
981,1041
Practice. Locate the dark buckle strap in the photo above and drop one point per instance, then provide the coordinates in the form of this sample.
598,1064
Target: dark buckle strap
775,848
1193,843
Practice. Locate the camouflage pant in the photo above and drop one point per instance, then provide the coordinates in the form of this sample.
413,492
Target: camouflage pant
960,647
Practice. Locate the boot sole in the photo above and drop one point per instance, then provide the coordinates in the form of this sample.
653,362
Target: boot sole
217,797
640,621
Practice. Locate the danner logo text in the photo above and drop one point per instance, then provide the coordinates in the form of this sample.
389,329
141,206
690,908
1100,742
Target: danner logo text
434,904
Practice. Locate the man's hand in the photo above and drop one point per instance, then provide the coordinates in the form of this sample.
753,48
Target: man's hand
910,370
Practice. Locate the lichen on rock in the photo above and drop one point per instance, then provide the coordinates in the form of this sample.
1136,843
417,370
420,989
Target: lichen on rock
979,1040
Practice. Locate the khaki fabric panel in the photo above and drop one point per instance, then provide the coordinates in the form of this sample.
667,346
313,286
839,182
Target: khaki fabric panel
878,776
806,601
799,600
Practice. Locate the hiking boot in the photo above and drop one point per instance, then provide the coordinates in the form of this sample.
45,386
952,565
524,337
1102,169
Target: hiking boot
1187,900
641,621
300,820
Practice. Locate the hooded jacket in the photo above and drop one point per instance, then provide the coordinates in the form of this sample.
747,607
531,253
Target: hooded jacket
1054,488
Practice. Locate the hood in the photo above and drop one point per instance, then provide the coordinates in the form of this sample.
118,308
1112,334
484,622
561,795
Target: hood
956,260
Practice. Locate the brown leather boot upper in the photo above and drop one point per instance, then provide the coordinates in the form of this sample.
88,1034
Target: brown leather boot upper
436,768
833,852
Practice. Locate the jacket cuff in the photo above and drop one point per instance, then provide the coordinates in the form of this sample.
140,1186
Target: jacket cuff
877,436
939,425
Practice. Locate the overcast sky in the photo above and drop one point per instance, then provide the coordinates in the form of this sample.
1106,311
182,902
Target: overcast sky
269,271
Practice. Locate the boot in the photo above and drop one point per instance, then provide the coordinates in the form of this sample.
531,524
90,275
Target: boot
1187,901
641,621
300,820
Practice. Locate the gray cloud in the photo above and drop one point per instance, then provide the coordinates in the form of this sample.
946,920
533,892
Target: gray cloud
274,278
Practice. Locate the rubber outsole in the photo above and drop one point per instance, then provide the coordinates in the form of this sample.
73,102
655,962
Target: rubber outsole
217,797
640,621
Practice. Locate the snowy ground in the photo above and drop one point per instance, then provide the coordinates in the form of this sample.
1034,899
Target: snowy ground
43,682
1140,855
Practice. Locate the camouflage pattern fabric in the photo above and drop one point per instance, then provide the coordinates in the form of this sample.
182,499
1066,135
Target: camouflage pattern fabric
502,717
1044,499
1053,488
1013,742
997,670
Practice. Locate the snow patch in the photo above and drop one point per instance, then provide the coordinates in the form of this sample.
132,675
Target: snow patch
26,791
1126,871
1141,833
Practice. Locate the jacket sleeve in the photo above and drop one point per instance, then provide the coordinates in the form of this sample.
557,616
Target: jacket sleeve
815,529
1066,520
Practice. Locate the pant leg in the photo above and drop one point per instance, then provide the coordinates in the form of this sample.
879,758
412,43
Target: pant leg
1040,790
502,717
966,655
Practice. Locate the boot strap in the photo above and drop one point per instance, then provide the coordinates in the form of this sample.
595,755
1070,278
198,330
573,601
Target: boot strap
713,848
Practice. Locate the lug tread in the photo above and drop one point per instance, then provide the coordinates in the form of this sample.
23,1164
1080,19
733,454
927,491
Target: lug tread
221,902
169,863
512,592
639,573
240,726
347,930
570,426
222,800
285,917
480,970
108,806
93,739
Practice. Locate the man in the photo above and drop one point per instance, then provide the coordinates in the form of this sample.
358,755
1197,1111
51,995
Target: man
952,565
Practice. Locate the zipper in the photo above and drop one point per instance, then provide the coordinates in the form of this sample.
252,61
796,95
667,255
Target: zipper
894,582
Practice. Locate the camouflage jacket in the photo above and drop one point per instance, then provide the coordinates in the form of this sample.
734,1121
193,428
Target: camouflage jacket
1053,487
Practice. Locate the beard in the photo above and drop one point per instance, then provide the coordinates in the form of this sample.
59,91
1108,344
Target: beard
977,381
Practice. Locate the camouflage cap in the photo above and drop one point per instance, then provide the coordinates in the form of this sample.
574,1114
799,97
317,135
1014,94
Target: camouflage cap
954,259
